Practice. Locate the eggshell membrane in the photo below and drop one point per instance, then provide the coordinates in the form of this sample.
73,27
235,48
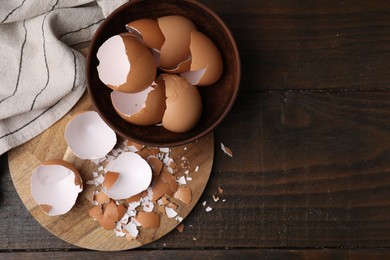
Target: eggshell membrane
135,176
177,32
140,72
143,108
148,219
55,186
206,64
89,137
149,31
184,104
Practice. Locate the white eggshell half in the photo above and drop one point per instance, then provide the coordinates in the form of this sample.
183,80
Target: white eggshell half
55,185
89,137
135,176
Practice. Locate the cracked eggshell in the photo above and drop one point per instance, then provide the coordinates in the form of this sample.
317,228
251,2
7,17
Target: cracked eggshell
184,104
149,31
126,64
143,108
135,176
55,186
89,137
177,32
206,65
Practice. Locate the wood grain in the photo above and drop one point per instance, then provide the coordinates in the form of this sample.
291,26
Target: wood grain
76,227
269,254
310,137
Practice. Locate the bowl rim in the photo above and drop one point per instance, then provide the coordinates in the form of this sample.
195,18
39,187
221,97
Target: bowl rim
180,142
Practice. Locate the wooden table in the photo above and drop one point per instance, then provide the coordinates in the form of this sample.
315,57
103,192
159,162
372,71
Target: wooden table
310,132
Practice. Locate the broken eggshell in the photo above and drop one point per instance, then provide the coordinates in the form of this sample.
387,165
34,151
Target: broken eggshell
184,104
206,64
55,186
135,176
89,137
149,31
143,108
177,32
126,64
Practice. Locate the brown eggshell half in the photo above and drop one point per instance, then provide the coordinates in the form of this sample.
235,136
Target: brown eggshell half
141,71
177,32
206,59
148,219
184,104
149,30
149,110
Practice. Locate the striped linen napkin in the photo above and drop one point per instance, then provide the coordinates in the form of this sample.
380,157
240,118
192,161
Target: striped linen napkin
42,76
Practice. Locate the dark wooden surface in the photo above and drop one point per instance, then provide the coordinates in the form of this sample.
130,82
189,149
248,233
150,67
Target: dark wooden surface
310,132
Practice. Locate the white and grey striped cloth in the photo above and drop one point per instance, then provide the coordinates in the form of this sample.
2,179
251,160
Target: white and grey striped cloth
41,74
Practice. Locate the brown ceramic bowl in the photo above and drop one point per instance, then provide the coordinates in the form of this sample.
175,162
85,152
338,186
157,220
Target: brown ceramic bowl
217,99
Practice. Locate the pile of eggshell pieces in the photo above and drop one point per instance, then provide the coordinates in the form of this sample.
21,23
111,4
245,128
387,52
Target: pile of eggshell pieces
154,70
133,185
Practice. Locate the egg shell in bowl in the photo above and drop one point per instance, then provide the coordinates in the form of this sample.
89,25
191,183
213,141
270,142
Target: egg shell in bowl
217,99
125,63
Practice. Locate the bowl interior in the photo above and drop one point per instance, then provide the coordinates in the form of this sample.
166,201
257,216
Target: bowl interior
217,99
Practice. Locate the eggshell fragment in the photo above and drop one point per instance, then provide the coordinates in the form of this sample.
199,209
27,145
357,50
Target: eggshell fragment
177,32
126,64
183,193
206,63
135,176
89,137
96,212
131,230
134,198
149,31
142,108
148,219
121,211
107,222
109,179
184,104
180,228
55,186
156,165
102,198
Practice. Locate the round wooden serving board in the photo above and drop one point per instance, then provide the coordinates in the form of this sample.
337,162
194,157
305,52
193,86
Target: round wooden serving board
76,227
